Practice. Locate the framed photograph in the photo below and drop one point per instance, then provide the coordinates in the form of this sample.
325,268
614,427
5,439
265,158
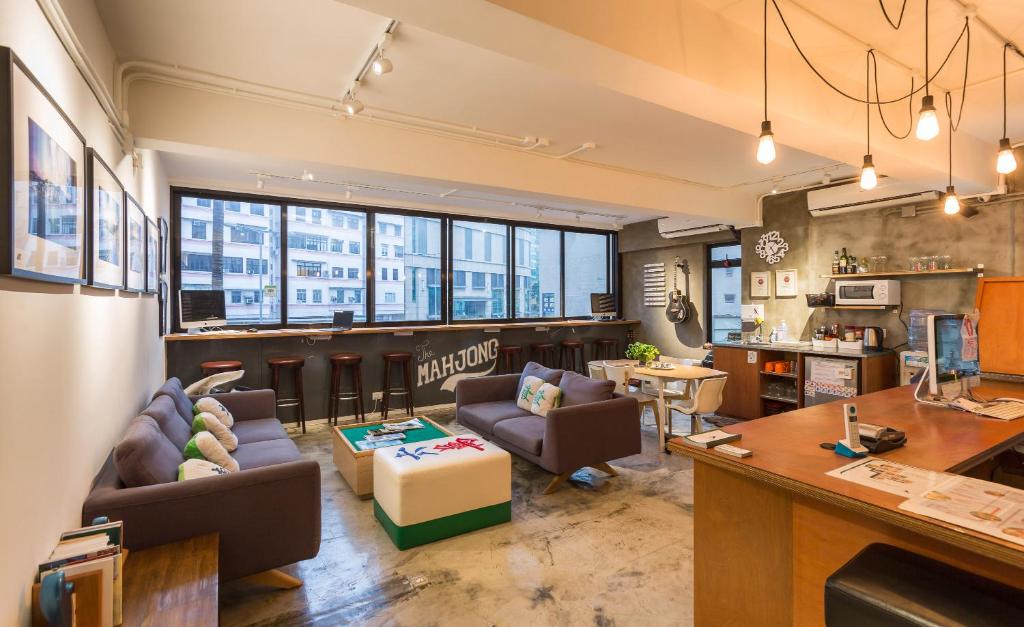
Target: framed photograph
105,217
42,185
785,283
164,234
135,246
759,284
152,256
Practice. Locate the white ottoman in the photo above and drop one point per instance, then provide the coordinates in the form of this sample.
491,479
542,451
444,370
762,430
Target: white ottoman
435,489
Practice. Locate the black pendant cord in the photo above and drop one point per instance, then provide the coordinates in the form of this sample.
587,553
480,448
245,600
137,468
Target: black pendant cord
1005,46
952,129
963,91
765,60
881,113
926,81
867,91
928,77
899,21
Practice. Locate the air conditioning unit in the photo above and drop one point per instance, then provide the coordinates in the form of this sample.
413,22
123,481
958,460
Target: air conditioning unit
850,197
681,227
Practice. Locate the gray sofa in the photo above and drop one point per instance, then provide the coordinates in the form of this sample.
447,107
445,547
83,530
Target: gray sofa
267,514
592,426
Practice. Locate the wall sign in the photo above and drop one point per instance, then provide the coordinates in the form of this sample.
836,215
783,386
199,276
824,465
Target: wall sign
453,366
759,282
785,283
771,247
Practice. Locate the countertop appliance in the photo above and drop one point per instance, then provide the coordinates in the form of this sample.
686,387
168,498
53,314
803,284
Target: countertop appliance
873,338
867,292
828,379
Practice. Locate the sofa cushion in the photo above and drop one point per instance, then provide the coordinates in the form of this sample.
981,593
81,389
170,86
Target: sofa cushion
260,454
548,397
481,417
580,390
526,432
259,430
145,456
163,411
547,375
172,388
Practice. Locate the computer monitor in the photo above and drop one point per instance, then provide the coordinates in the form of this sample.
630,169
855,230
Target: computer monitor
343,320
201,308
602,305
949,373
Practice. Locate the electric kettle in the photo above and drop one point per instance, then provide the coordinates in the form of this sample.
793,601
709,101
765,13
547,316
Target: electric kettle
873,337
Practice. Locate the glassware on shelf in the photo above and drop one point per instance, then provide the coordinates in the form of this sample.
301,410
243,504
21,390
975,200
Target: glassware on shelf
915,264
945,262
882,264
933,263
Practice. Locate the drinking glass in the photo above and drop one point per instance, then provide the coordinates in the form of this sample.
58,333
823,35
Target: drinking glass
933,263
945,262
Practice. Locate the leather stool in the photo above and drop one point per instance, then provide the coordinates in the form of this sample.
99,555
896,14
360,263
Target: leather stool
339,362
509,359
606,348
295,364
543,353
404,361
568,356
217,367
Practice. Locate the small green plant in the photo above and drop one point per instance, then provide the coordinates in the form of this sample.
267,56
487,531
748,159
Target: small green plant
644,353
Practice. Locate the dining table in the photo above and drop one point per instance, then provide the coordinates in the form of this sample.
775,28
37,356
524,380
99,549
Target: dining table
659,375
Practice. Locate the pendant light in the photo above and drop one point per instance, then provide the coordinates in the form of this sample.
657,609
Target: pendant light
1006,162
766,142
927,121
951,204
868,177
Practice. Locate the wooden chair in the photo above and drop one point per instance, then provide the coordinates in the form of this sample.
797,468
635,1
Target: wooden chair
621,376
706,400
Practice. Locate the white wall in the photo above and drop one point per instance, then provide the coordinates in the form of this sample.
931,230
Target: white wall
76,363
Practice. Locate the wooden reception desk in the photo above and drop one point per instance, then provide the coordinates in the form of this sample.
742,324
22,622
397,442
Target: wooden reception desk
769,529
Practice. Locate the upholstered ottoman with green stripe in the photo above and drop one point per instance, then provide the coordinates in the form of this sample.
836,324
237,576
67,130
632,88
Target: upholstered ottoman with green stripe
436,489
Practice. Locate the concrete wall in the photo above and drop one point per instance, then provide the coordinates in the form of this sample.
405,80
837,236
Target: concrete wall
78,362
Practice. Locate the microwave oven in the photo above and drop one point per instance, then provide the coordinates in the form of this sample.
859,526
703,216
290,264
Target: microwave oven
867,292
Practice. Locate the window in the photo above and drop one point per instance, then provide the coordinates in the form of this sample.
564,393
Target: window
723,289
321,253
538,268
475,303
300,295
234,246
419,296
383,250
354,223
590,251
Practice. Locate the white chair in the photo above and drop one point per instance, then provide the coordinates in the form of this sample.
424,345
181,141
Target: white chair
621,376
674,389
596,371
706,400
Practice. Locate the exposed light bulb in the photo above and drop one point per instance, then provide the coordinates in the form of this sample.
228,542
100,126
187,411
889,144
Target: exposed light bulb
952,204
259,182
927,121
307,176
868,176
382,65
1006,162
766,144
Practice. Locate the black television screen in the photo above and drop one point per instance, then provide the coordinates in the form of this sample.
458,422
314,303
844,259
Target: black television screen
198,307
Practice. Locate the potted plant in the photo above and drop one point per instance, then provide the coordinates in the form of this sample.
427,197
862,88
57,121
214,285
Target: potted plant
643,353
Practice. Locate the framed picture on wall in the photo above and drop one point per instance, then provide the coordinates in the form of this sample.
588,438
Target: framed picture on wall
105,217
135,246
785,283
42,185
152,256
759,284
164,234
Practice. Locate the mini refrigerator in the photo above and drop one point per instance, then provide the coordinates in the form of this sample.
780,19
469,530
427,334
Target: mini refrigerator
828,379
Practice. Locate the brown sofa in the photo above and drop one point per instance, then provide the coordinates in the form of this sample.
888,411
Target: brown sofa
267,514
592,426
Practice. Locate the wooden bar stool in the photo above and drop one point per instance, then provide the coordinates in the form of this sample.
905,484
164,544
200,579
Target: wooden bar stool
217,367
339,362
543,353
295,364
606,348
509,359
404,361
568,357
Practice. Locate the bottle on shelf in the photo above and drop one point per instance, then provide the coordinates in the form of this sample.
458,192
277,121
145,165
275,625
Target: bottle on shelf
852,265
782,334
835,262
843,262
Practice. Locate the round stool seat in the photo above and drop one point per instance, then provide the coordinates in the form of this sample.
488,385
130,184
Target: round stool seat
346,358
572,343
397,356
221,365
297,362
605,342
542,347
510,349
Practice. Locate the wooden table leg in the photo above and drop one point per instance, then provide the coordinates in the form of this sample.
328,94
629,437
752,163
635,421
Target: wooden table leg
660,415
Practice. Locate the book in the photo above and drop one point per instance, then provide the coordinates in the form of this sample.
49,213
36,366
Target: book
94,589
710,439
113,530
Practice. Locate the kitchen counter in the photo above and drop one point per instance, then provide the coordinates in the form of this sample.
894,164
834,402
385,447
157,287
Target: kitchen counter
808,351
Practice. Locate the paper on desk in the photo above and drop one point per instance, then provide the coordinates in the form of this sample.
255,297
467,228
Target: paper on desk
990,508
888,476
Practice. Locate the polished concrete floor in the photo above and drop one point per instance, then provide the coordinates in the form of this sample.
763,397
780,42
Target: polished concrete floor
602,551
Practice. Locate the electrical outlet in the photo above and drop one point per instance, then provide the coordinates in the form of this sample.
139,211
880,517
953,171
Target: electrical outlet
376,396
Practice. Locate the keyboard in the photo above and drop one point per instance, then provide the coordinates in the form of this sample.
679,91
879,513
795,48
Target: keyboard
1003,410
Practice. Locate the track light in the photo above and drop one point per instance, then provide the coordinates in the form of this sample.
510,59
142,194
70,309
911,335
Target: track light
1006,162
259,182
766,144
351,105
952,203
868,176
307,175
382,65
927,121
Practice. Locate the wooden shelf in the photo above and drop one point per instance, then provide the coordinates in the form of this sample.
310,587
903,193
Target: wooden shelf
860,307
902,273
788,375
790,401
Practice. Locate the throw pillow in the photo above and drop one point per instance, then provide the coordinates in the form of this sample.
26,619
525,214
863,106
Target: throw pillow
206,421
530,387
547,398
204,445
199,468
215,407
547,375
580,390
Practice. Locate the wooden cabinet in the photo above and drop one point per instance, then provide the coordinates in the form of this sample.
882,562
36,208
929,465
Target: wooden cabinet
742,395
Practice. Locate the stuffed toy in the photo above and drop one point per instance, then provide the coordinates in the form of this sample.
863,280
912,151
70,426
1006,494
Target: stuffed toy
206,421
199,468
204,445
214,406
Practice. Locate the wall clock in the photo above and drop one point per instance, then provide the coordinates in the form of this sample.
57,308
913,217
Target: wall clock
771,247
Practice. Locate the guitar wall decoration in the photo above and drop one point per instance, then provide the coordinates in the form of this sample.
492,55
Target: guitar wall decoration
679,309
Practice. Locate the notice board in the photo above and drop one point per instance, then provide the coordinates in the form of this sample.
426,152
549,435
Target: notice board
1000,300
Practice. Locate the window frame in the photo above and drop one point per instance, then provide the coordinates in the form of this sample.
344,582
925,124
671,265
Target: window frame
709,266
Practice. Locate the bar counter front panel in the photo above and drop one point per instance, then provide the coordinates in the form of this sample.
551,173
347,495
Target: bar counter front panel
441,356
